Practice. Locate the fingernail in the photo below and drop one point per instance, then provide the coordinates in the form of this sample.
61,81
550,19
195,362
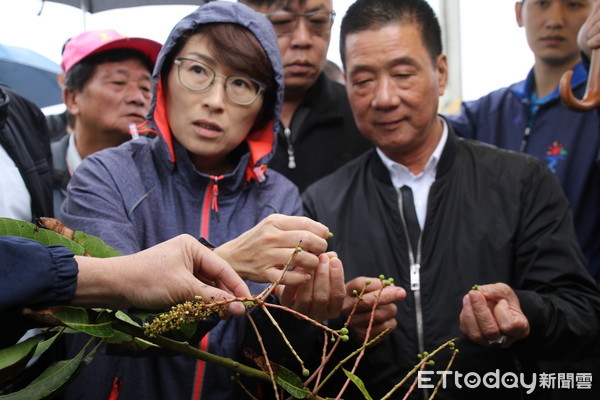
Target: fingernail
334,263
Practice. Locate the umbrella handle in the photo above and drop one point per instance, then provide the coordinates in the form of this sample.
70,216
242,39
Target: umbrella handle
591,98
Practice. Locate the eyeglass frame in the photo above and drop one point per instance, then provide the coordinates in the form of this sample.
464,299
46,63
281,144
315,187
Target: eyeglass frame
331,14
261,86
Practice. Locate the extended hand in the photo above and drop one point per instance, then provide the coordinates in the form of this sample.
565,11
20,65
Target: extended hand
492,312
321,297
589,33
163,275
260,253
385,313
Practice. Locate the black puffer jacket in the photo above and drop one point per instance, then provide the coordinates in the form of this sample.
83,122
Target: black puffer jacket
492,216
24,136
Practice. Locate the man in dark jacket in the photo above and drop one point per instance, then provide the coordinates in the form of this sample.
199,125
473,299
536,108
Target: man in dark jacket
320,134
25,159
483,216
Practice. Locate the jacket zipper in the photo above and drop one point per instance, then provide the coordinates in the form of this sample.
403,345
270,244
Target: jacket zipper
415,282
415,277
210,203
525,139
290,148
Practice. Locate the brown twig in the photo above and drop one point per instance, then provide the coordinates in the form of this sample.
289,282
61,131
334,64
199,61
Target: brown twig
286,268
367,335
264,351
418,366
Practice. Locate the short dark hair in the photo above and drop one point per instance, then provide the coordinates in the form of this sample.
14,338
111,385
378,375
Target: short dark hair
80,73
370,14
238,48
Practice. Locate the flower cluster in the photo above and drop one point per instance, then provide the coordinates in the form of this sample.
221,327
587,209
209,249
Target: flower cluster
184,313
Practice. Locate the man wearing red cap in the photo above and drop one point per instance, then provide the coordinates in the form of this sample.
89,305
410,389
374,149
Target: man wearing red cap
107,90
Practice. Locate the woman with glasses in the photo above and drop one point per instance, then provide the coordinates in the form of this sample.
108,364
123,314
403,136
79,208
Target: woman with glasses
218,90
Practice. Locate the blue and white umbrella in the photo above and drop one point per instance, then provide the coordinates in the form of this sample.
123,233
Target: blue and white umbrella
30,74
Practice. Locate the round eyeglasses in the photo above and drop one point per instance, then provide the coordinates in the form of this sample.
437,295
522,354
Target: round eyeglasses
197,76
318,22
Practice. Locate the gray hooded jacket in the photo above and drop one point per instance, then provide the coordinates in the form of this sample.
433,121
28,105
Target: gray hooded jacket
147,191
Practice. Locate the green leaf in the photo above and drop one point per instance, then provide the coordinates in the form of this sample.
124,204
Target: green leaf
80,244
15,227
185,332
117,336
13,360
79,319
290,382
51,380
45,345
94,245
359,384
19,351
126,318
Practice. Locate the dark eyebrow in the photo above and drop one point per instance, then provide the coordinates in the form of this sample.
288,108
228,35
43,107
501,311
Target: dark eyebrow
289,9
404,60
203,57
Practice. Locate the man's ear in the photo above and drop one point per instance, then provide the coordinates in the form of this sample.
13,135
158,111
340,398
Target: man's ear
70,100
518,9
442,70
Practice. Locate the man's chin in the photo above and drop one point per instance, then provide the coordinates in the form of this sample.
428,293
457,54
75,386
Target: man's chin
299,83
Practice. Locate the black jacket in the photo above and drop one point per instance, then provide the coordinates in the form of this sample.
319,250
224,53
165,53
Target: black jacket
323,134
24,136
492,216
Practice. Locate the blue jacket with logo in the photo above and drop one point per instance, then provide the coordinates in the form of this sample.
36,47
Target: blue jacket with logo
568,142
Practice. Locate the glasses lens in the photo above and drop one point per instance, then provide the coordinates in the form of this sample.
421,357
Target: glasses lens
319,22
283,22
195,75
241,89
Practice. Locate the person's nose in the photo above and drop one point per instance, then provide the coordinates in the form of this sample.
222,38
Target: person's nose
385,94
301,35
556,15
214,96
138,95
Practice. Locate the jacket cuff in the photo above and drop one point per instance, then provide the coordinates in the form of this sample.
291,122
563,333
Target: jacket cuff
66,270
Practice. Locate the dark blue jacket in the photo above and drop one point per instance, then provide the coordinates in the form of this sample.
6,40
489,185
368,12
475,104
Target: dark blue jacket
568,142
32,275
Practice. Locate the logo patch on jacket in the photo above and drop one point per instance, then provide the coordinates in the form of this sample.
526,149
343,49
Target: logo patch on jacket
555,153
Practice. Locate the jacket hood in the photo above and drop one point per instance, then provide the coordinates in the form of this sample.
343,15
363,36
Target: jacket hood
261,142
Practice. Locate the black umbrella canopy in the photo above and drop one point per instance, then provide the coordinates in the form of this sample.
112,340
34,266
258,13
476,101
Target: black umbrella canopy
30,74
94,6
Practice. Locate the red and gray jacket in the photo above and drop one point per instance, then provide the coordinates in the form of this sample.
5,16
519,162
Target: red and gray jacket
147,191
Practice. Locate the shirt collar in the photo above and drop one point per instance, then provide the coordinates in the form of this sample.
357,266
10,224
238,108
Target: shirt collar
73,157
401,175
524,89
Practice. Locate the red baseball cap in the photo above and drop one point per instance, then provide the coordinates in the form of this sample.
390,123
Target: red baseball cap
97,41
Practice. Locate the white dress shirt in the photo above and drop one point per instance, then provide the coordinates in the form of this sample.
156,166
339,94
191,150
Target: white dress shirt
15,200
419,184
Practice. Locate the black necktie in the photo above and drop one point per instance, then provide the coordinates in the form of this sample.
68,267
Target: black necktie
410,216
